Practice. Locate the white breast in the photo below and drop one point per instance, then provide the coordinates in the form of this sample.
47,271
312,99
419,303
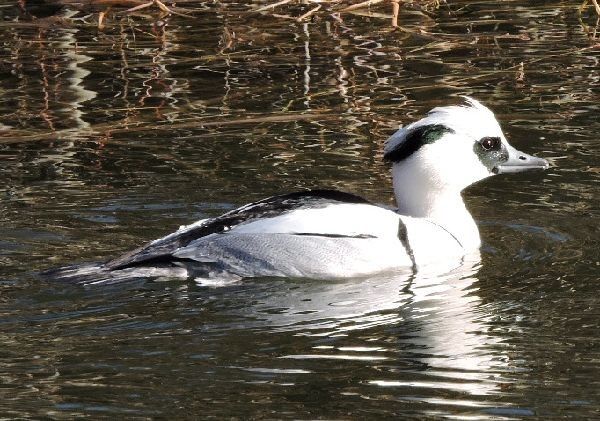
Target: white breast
432,245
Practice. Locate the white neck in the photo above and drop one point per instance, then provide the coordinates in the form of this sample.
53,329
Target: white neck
420,195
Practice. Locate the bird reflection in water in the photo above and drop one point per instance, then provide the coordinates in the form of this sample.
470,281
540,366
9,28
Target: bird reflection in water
437,322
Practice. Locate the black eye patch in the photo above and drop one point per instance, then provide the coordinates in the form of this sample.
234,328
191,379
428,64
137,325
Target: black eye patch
490,143
415,139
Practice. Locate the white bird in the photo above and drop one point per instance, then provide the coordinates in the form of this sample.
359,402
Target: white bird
329,234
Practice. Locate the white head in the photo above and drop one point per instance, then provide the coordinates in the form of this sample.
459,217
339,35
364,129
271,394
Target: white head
451,148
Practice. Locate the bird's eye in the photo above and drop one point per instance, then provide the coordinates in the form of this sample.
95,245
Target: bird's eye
490,143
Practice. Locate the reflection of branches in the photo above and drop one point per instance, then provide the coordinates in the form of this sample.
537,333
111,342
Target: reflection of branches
157,71
45,64
594,3
109,7
339,7
45,112
137,5
520,66
351,57
56,73
590,31
127,125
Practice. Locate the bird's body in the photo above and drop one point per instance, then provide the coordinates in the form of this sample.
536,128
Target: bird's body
330,234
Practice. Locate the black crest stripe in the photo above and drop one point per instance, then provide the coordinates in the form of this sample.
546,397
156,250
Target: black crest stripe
415,139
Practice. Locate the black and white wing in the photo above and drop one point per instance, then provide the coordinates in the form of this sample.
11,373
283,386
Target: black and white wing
277,214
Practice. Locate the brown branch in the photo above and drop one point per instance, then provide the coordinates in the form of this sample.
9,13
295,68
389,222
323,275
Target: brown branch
101,17
361,5
309,13
123,3
162,6
139,7
272,6
395,11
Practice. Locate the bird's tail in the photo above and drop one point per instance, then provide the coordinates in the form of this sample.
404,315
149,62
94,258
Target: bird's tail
98,274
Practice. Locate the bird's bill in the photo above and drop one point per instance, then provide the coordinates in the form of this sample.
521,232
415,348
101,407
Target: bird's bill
519,161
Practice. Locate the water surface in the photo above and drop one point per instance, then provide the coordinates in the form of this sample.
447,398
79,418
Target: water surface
111,138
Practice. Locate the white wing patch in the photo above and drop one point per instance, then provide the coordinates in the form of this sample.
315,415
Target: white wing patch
336,219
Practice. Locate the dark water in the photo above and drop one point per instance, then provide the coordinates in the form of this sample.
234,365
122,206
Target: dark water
111,138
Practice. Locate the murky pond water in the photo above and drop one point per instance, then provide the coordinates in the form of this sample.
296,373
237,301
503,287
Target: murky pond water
112,138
